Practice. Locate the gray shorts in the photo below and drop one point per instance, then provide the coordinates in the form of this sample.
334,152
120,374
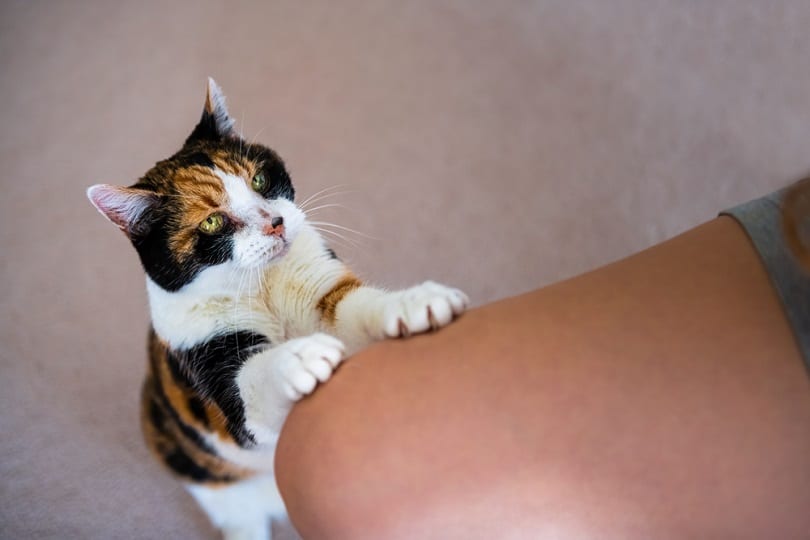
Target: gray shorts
761,219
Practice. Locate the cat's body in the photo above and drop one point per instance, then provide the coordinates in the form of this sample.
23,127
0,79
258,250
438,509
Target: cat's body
250,311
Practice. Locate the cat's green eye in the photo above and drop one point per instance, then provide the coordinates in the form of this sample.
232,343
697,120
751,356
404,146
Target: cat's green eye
259,182
212,224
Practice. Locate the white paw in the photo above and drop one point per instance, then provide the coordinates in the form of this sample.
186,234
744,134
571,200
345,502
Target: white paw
421,308
300,364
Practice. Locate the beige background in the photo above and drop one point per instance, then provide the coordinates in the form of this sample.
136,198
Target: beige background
497,146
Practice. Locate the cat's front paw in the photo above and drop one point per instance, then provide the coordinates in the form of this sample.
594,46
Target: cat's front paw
302,363
421,308
272,380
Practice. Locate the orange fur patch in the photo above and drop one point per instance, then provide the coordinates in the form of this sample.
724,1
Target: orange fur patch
327,305
235,165
164,405
203,194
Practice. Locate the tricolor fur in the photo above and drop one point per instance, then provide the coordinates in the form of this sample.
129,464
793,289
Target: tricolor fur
250,311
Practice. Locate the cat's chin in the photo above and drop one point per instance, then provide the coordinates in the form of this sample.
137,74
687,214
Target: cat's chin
269,258
274,258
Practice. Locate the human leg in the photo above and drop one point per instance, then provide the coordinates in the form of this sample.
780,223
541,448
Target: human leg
662,396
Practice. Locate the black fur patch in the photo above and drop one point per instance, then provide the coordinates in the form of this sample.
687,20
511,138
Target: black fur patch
197,408
213,249
211,367
182,464
205,130
189,159
157,414
280,185
159,262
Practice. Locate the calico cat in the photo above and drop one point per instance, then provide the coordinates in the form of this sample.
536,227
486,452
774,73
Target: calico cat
250,311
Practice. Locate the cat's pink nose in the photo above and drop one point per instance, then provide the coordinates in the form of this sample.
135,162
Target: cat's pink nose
275,227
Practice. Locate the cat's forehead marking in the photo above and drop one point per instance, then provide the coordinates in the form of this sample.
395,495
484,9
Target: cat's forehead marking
200,192
241,199
232,164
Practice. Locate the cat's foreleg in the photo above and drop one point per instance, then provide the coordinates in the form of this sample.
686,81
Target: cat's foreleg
271,381
367,314
268,383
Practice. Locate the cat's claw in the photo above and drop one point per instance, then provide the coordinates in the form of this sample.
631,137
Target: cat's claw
428,306
304,362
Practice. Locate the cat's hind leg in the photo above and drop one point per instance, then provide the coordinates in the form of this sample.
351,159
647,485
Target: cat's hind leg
242,510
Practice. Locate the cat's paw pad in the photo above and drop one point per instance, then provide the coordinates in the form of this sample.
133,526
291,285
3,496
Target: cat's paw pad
304,362
421,308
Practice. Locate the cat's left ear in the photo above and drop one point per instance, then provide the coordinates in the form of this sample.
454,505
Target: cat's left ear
128,208
215,123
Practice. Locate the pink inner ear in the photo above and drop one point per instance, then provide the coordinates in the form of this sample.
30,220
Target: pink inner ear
123,206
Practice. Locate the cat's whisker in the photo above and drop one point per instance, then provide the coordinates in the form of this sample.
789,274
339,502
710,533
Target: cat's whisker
343,228
329,205
341,239
256,136
236,299
235,311
250,291
327,230
335,233
261,273
321,199
324,193
344,247
241,134
328,188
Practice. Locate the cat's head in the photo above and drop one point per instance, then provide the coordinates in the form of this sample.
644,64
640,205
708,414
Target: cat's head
219,200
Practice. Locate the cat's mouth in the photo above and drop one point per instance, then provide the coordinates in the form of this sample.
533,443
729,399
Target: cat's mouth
260,256
282,250
274,252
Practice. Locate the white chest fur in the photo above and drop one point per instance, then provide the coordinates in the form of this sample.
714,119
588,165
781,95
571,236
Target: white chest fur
278,301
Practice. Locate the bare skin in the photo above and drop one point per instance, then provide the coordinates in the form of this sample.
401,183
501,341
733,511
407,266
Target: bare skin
662,396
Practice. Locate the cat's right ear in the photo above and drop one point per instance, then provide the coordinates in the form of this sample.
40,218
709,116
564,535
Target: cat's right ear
126,207
215,123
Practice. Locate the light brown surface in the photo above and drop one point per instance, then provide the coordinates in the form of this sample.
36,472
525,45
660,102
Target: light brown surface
497,146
